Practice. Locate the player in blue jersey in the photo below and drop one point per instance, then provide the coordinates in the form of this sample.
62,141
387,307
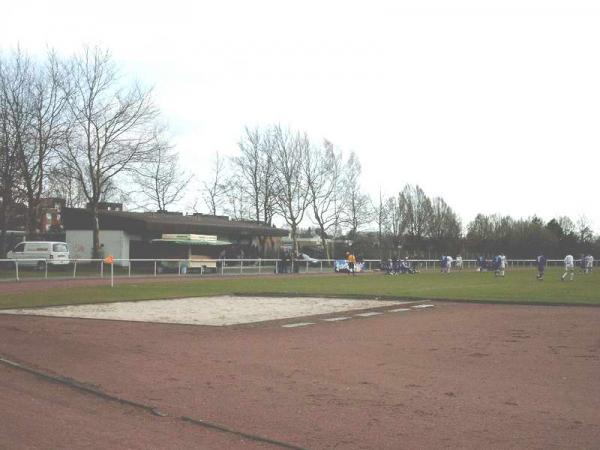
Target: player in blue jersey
541,265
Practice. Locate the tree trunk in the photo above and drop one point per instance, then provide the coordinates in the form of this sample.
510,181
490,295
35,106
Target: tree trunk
95,233
32,220
294,246
3,227
325,246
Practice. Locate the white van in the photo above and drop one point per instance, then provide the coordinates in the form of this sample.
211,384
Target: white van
37,254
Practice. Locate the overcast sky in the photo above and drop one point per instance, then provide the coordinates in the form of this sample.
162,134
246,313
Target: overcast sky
493,105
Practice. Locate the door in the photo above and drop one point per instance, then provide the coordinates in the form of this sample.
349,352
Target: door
18,252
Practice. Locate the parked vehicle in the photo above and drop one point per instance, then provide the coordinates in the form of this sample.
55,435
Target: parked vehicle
38,254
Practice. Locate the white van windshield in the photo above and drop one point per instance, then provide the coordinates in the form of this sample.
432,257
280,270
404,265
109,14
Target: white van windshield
60,248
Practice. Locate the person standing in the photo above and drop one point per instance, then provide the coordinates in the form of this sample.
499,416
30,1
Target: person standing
569,268
589,263
502,264
448,263
541,265
459,262
351,259
497,263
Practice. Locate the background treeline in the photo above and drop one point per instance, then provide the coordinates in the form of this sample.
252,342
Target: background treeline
73,127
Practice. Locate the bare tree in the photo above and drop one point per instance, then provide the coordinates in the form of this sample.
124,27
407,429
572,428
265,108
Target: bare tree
112,127
35,109
9,179
397,217
356,205
289,157
323,172
585,234
214,191
255,169
419,210
444,225
238,205
381,213
160,180
15,83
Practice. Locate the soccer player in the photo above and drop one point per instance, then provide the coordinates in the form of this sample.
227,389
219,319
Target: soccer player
541,264
588,263
448,263
497,261
569,268
502,264
459,262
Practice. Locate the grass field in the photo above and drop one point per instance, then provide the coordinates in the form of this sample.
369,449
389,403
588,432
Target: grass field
518,286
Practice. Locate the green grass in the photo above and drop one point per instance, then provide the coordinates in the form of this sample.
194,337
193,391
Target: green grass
519,286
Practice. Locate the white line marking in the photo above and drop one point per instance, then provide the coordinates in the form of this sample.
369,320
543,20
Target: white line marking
297,324
399,310
335,319
368,314
422,306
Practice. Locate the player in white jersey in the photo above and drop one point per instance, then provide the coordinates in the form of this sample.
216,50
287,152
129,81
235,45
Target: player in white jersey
459,263
569,268
589,264
448,263
502,264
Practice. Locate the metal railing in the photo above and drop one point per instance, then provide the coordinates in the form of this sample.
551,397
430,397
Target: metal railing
40,268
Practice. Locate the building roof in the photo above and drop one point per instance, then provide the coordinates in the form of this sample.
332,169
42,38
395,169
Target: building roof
152,223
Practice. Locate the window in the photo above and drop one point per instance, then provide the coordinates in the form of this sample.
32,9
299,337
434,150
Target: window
19,248
60,248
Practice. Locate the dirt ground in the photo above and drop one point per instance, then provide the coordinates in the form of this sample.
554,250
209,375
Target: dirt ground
453,376
41,285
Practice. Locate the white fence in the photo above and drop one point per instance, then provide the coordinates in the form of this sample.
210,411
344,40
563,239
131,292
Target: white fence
31,269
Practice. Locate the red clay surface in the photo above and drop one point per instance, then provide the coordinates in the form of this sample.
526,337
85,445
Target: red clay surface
453,376
40,285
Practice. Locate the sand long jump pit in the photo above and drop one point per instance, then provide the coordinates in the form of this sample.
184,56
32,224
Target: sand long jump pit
213,311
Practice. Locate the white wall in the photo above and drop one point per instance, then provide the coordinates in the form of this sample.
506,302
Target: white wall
116,243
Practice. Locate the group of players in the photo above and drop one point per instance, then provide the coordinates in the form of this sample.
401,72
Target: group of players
586,262
398,266
497,264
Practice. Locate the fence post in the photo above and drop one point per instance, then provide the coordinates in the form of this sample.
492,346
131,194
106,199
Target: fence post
222,267
17,269
276,266
46,269
241,266
112,275
102,269
306,267
129,268
154,268
75,269
321,266
259,265
178,268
